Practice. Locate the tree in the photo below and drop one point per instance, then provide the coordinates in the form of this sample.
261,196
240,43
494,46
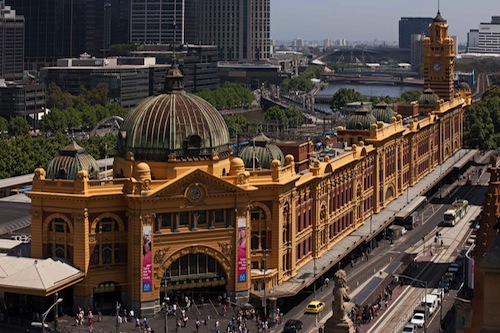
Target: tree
409,96
294,116
4,125
236,124
344,96
56,98
18,126
275,114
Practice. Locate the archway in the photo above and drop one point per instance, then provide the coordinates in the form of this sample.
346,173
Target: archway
196,274
106,294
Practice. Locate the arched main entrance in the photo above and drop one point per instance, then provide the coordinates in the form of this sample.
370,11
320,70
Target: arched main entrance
194,275
106,295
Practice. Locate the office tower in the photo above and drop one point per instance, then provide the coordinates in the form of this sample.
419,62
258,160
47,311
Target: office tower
157,21
11,44
60,28
240,28
120,22
486,39
411,26
417,51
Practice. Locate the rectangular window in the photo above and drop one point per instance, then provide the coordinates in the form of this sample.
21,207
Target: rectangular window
184,219
219,215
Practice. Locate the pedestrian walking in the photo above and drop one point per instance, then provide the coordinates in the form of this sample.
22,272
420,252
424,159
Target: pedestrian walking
137,323
197,323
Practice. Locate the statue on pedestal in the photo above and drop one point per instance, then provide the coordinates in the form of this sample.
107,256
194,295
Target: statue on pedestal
340,322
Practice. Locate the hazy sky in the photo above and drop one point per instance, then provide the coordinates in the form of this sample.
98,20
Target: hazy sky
366,20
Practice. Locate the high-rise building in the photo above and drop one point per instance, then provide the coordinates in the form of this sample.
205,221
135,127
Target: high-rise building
486,39
60,28
417,51
240,28
411,26
157,21
11,44
439,63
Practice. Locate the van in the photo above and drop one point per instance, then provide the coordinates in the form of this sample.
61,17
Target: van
432,303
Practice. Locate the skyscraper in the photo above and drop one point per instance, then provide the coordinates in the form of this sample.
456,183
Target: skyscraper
240,28
60,28
11,44
412,26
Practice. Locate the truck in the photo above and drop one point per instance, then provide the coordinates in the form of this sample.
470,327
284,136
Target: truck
455,213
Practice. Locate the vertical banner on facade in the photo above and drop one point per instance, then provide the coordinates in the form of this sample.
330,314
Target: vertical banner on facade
147,269
242,250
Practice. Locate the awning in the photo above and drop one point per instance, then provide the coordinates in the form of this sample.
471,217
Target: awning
38,277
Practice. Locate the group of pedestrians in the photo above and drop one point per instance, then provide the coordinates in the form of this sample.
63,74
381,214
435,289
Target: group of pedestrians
365,314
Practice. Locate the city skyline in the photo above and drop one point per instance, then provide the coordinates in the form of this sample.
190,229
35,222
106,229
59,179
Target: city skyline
341,19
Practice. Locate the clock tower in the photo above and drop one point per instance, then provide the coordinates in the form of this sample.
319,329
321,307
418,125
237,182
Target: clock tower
439,59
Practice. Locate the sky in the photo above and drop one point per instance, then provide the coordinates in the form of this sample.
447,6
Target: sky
367,20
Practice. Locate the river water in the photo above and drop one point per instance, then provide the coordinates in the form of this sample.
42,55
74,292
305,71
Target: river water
373,89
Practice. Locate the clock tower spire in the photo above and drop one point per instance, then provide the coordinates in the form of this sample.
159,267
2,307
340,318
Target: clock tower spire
439,59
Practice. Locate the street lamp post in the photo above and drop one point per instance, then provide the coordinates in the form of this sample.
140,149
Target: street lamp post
425,296
166,303
265,300
314,282
46,313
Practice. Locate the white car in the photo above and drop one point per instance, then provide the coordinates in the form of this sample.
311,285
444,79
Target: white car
418,319
409,328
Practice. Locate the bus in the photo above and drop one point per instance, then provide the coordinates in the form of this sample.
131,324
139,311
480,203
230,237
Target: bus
409,217
455,213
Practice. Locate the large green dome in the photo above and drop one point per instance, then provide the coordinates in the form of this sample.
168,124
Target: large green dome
174,123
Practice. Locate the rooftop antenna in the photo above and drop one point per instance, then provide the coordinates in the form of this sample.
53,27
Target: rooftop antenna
438,7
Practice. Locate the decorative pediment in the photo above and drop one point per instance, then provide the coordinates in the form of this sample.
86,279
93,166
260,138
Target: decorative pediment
196,186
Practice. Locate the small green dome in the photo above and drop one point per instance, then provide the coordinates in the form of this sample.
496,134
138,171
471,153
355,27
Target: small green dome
261,152
72,159
429,97
463,86
362,119
383,112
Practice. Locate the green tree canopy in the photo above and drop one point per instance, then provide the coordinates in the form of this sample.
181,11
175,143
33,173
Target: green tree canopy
344,96
4,125
483,121
18,126
409,96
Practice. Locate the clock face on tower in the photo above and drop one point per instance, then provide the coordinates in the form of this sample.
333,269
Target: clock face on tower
437,67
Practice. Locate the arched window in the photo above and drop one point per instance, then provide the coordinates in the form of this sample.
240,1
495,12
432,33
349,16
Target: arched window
107,246
260,230
59,239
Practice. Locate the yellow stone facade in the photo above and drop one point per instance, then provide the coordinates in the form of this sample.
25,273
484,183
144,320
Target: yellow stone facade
189,213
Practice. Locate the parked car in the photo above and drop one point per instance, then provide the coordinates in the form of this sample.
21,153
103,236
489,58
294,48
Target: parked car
410,328
315,307
418,319
292,326
454,267
446,284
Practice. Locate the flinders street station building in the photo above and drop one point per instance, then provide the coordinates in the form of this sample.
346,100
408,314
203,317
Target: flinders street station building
183,213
